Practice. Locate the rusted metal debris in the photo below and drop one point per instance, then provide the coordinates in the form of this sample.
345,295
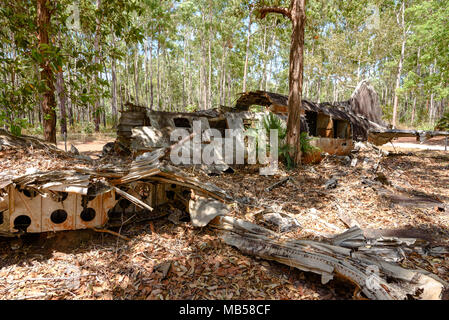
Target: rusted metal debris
326,120
334,126
24,141
368,263
332,136
86,198
150,188
329,122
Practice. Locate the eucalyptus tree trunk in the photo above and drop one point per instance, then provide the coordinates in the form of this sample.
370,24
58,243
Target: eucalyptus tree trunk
121,93
209,85
151,74
127,85
61,90
418,72
248,42
184,71
114,92
190,82
203,74
136,74
167,95
220,84
158,75
97,61
145,48
203,84
401,61
223,82
297,14
48,101
432,111
264,50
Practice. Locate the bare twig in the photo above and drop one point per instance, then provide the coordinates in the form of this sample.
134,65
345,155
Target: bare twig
277,184
111,232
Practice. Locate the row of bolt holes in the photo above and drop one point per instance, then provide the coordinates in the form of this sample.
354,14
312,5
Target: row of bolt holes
57,217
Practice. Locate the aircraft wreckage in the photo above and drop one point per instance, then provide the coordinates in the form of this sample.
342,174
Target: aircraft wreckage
86,198
150,188
68,200
334,127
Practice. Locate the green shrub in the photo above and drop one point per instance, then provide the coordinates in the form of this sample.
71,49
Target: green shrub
272,121
306,147
191,108
88,128
443,123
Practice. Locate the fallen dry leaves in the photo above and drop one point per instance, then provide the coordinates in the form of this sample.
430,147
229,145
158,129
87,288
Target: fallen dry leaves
88,265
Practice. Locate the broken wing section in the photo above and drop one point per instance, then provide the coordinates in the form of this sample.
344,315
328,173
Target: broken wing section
34,204
375,277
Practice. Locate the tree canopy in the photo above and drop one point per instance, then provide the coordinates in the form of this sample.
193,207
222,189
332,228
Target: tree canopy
186,55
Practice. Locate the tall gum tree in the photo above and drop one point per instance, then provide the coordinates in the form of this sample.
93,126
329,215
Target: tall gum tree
297,15
48,101
97,61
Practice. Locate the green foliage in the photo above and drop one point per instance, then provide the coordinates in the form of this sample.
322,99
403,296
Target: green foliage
387,111
270,122
443,123
273,122
191,108
306,147
88,128
16,129
284,153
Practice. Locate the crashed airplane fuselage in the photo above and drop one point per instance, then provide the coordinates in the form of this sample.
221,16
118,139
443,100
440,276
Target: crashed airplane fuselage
333,127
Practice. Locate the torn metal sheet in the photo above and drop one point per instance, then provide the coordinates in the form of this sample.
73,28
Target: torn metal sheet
380,136
376,278
70,200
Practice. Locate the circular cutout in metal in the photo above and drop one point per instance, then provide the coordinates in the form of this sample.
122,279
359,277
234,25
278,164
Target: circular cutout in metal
88,214
58,216
22,222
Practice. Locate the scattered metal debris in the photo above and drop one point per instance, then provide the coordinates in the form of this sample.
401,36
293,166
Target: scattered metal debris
84,198
374,275
331,183
282,222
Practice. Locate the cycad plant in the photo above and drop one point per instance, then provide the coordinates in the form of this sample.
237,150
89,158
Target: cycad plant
272,121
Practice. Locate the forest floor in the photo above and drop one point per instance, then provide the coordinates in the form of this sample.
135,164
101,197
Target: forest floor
90,145
88,265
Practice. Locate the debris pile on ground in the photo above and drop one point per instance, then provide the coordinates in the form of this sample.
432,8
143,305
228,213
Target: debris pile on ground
362,264
154,259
